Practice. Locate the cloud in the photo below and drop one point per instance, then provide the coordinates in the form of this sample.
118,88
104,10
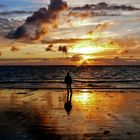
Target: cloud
104,6
15,12
60,48
82,15
7,25
63,49
114,61
90,10
100,27
123,51
40,23
76,57
14,49
49,48
70,40
126,42
88,14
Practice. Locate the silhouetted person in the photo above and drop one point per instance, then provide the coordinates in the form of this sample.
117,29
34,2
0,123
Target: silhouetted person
68,82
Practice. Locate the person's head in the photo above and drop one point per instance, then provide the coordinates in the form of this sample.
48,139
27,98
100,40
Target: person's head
68,73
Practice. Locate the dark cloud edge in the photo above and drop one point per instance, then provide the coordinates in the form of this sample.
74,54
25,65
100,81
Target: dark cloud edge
105,6
2,6
15,12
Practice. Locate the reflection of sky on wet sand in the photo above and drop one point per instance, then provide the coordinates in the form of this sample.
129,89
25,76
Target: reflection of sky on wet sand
92,112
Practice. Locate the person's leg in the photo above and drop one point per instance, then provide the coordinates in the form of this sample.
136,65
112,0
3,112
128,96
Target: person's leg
67,97
70,88
70,96
67,88
67,92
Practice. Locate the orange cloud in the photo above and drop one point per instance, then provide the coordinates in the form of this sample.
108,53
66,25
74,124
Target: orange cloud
13,49
82,15
49,48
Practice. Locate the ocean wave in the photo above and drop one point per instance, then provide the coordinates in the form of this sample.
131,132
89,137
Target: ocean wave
52,77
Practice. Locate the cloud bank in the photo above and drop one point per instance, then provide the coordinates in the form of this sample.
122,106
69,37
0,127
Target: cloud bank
43,21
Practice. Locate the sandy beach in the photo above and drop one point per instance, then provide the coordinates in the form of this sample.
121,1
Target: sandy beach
88,47
45,114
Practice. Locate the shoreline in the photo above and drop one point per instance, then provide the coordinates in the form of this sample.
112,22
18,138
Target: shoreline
55,89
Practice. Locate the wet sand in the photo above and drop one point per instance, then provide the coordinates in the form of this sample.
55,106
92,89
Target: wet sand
91,114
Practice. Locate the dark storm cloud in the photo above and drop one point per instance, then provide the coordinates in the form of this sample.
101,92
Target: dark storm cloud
39,24
105,6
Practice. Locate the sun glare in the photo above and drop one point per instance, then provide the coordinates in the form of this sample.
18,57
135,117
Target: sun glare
93,43
87,57
85,48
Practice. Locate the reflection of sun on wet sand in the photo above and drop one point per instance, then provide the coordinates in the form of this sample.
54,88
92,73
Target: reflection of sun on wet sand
41,114
84,98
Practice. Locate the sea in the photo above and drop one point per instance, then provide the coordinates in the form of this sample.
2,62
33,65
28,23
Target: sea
84,77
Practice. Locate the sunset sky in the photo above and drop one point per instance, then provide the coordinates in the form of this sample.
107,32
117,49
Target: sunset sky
70,32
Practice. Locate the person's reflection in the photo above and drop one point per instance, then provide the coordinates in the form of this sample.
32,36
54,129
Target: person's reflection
68,104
